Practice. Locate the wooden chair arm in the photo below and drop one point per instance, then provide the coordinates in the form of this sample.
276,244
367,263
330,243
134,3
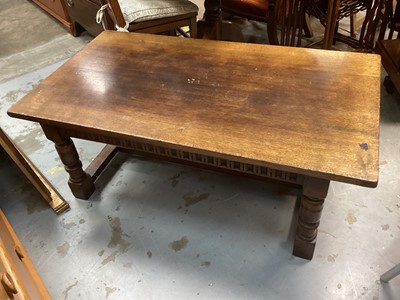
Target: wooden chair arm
114,12
116,9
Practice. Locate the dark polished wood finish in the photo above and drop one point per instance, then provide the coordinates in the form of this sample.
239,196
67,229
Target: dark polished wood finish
282,113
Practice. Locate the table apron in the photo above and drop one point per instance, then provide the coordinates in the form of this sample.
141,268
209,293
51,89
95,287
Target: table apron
192,157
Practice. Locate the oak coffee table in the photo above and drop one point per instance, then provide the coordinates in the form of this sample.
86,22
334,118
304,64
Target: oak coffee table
301,116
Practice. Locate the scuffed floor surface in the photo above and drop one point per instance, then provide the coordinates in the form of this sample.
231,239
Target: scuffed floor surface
161,231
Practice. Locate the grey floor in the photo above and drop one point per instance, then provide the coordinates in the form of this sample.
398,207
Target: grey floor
161,231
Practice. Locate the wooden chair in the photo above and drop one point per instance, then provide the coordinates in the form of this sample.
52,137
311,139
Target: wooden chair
375,14
282,28
150,16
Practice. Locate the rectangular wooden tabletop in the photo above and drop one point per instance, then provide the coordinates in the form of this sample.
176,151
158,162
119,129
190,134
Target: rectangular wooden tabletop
312,112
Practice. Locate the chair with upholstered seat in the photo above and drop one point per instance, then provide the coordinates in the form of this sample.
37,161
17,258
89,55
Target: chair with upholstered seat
150,16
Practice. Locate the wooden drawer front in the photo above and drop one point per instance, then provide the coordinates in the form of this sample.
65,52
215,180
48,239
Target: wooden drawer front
3,271
9,288
53,5
15,261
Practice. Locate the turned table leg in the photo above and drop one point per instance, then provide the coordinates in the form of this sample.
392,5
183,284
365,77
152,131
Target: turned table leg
212,20
311,204
80,183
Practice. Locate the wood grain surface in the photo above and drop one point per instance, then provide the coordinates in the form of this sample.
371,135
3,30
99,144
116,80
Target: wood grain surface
312,112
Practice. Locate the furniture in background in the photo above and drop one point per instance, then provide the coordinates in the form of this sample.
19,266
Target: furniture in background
285,18
215,114
57,9
43,186
151,16
18,276
330,12
282,28
82,14
390,53
389,49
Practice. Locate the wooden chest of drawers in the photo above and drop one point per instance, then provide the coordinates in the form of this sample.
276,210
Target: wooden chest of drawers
58,10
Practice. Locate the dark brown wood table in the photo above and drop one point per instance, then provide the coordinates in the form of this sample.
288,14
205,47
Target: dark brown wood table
297,115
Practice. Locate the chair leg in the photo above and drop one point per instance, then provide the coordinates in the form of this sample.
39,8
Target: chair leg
336,31
393,272
353,22
193,27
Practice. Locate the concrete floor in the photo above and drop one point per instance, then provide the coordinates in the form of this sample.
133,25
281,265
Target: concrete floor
161,231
